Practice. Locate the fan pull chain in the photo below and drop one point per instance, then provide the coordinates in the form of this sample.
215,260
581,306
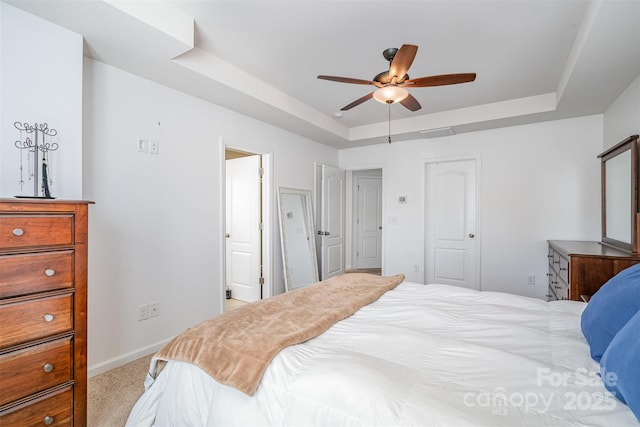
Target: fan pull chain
389,139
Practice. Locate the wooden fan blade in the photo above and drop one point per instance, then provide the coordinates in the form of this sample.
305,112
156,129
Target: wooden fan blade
411,103
442,80
357,102
347,80
402,61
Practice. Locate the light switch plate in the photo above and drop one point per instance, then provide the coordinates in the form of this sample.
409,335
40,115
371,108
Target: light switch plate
142,145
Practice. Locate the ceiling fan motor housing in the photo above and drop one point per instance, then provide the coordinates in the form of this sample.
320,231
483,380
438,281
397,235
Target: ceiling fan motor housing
384,78
389,53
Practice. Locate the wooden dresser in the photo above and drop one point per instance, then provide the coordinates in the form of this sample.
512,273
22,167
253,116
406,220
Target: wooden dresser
43,312
578,268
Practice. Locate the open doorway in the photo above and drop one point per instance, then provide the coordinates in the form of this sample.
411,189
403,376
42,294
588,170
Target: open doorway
366,221
244,227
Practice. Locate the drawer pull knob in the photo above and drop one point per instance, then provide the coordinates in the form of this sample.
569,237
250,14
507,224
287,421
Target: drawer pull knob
18,232
48,317
48,367
49,272
48,420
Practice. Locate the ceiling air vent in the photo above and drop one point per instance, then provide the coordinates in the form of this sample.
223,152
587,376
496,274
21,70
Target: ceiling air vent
437,133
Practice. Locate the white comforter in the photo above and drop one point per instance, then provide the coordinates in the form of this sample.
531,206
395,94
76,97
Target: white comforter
421,355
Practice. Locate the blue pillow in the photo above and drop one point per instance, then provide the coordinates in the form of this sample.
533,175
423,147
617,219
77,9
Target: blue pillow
610,309
620,365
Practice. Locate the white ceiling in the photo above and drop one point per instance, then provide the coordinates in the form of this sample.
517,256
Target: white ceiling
535,60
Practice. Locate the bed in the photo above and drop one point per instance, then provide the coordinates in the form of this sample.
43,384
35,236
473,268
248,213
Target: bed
428,355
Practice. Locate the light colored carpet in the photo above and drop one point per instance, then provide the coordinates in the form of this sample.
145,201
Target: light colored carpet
377,271
111,395
230,304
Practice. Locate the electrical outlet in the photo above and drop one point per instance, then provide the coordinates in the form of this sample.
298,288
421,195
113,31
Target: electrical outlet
142,145
531,279
143,312
154,146
154,309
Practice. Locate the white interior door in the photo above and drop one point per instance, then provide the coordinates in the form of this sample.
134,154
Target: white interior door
368,222
243,238
451,241
332,226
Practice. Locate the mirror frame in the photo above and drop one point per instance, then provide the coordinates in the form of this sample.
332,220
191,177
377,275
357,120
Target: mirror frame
306,195
631,144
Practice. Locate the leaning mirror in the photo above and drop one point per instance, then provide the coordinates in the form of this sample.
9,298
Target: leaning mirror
619,195
297,237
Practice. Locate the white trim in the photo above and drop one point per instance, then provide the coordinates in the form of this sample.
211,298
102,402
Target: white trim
116,362
267,230
355,235
349,199
222,266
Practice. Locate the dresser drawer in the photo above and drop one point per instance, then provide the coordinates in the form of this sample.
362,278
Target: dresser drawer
34,369
19,231
53,410
38,272
38,318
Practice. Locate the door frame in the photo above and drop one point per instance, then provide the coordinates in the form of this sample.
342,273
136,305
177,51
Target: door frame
355,210
349,264
245,168
267,215
425,199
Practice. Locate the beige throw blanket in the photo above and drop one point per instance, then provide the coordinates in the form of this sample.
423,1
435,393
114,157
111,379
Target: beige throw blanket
235,348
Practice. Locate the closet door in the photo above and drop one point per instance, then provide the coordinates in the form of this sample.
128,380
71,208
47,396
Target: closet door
452,247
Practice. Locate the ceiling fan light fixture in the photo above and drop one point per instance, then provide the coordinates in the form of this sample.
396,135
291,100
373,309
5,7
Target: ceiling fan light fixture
390,94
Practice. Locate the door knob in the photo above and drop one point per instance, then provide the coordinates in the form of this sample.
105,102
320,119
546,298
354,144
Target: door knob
227,235
471,235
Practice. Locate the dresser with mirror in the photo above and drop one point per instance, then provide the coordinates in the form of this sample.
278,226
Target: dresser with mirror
577,269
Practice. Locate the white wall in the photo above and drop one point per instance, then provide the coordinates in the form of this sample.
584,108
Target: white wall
622,118
538,182
41,82
155,228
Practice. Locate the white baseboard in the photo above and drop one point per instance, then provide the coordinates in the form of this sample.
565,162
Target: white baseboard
115,362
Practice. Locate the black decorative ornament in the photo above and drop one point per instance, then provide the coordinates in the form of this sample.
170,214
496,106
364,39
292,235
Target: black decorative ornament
37,150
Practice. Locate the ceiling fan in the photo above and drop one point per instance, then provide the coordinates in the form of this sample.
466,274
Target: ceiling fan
391,84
